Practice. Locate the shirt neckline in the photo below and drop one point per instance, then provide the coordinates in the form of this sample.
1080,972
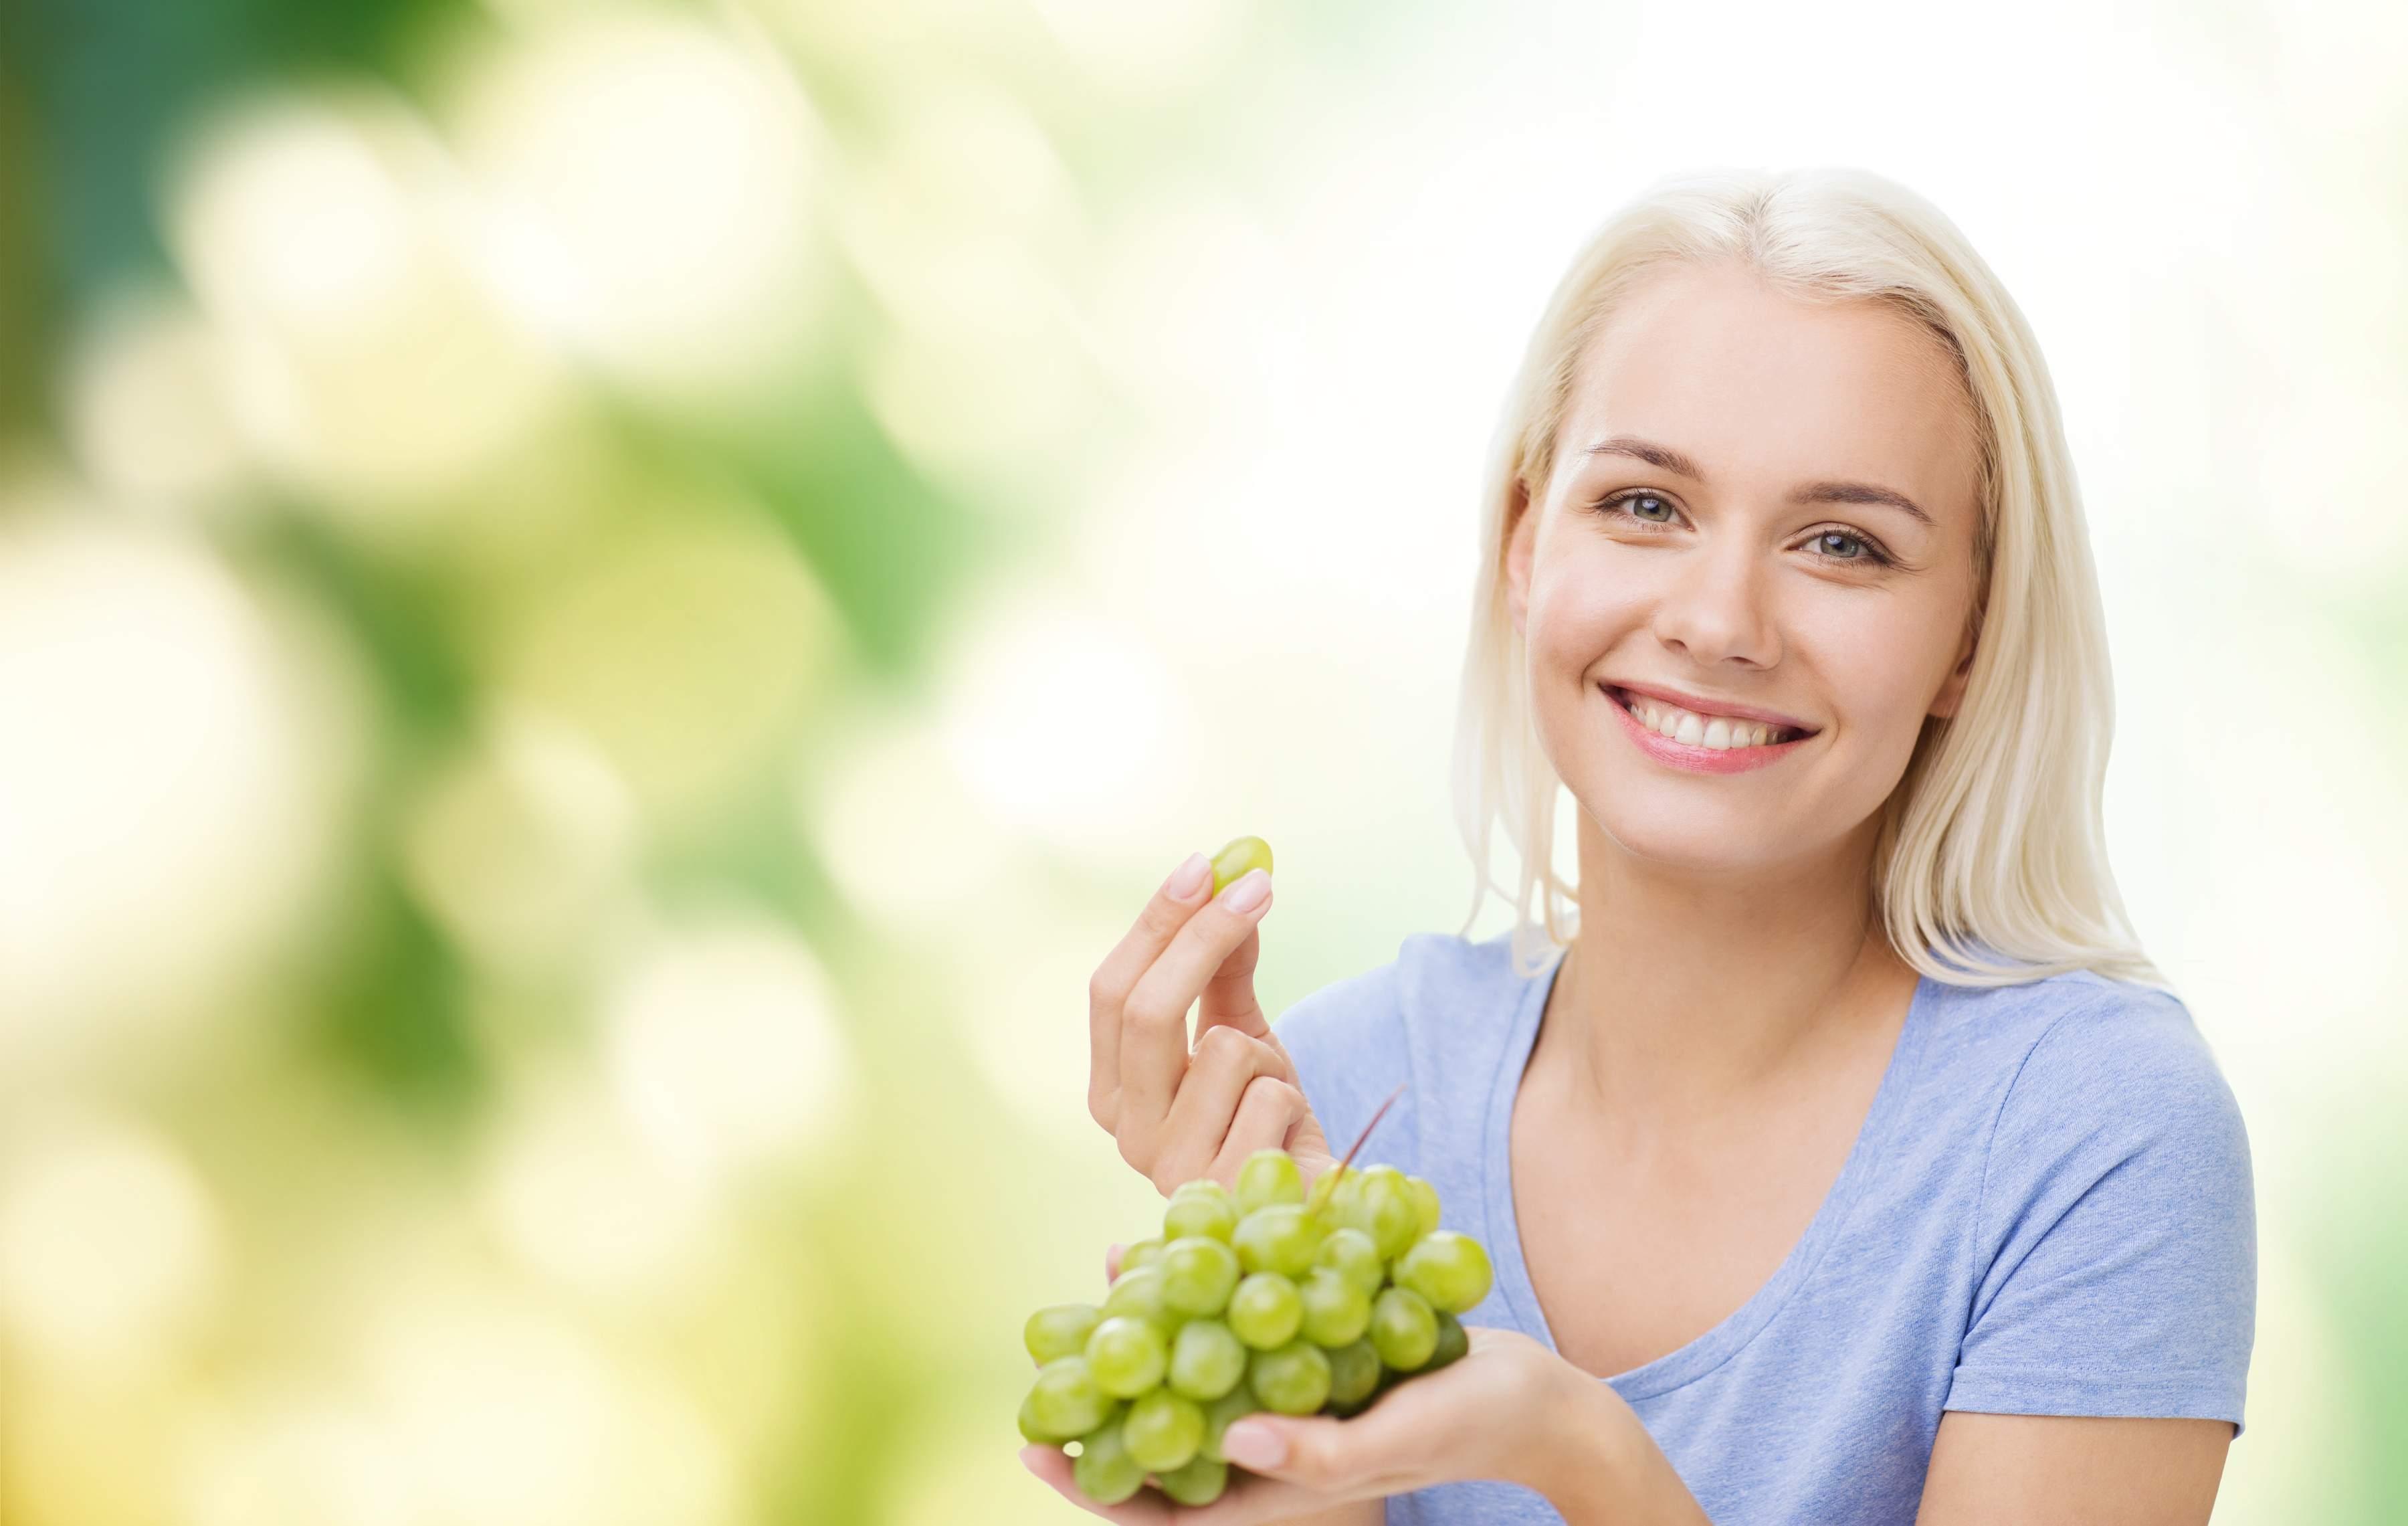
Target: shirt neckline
1709,1350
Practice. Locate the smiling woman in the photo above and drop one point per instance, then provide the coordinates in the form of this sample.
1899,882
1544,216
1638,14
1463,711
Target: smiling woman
1846,1133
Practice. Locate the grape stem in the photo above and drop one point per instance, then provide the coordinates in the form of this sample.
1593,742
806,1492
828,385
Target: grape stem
1328,1182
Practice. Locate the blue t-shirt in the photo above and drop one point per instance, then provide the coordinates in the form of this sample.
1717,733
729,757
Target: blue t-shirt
2048,1211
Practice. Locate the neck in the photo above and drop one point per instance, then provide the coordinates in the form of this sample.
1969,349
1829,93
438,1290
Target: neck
1681,994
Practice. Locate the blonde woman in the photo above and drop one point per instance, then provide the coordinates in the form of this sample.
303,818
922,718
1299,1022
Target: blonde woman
1841,1156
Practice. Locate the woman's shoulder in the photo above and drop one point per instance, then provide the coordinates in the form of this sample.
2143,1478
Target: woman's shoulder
2070,1045
2079,1086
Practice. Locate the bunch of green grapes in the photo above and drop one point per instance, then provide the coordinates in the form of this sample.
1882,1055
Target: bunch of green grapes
1259,1300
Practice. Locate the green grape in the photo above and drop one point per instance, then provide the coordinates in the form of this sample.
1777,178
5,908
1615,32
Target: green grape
1066,1401
1198,1273
1280,1238
1404,1329
1266,1310
1206,1360
1336,1311
1267,1177
1425,1198
1453,1342
1060,1330
1218,1415
1163,1429
1337,1188
1236,858
1202,1207
1448,1268
1127,1356
1293,1379
1140,1294
1351,1253
1105,1472
1143,1253
1353,1376
1200,1482
1030,1429
1386,1212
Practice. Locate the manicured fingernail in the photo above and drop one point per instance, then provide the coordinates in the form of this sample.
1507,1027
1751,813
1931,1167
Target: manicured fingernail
1254,1446
1188,877
1248,892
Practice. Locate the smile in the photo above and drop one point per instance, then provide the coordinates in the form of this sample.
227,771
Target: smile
1700,744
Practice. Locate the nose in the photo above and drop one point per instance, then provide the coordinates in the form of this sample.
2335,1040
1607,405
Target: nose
1713,608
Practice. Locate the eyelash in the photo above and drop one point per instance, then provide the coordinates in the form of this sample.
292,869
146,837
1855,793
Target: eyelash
1874,555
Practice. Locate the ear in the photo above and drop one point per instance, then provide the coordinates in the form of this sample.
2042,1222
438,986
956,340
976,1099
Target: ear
1519,543
1952,693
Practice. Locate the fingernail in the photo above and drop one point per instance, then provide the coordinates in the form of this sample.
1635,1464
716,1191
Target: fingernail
1254,1446
1188,877
1248,892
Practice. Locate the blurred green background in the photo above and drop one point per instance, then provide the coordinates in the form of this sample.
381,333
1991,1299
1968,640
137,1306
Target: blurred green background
604,610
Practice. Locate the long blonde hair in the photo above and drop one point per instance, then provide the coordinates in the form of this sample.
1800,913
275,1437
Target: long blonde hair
1991,866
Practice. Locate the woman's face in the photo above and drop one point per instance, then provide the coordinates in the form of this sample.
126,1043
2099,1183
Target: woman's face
1743,562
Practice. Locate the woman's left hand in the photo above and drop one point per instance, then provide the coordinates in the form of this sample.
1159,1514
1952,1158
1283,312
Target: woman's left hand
1489,1414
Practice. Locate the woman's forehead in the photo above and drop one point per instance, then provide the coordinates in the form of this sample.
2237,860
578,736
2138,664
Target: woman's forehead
1765,387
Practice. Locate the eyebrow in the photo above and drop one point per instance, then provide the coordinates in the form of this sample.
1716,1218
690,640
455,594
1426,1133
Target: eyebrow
1664,458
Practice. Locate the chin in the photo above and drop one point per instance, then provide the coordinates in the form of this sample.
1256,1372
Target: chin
1655,825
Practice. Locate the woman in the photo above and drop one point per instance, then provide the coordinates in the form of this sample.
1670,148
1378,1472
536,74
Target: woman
1846,1133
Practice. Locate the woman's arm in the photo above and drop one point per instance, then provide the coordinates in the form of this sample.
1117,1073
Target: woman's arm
1986,1469
2075,1469
1600,1465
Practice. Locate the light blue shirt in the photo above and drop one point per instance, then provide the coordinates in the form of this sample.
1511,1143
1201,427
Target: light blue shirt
2048,1211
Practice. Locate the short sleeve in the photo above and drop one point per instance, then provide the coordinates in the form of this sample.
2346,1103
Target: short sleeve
2116,1234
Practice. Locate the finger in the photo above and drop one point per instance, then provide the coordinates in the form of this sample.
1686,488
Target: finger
1268,1109
1414,1436
1153,1018
1309,1145
1172,903
1112,1255
1229,995
1054,1466
1224,1064
1327,1459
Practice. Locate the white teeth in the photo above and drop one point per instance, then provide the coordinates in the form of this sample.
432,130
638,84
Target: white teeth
1720,732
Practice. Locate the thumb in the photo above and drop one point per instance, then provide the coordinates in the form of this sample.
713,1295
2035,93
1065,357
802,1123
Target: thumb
1313,1451
1311,1147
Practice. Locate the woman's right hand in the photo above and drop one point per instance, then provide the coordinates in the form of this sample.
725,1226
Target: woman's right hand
1179,1112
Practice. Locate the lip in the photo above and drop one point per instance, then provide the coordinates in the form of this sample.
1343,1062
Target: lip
1714,707
1692,758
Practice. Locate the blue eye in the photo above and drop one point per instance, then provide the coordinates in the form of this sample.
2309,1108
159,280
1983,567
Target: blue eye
1837,546
1619,500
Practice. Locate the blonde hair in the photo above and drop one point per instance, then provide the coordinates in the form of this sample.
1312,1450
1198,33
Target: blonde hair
1991,866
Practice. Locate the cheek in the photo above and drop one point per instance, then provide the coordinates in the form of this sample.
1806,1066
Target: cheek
1882,660
1580,603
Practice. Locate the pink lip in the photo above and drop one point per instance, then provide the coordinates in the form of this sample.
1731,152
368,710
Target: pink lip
1695,759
